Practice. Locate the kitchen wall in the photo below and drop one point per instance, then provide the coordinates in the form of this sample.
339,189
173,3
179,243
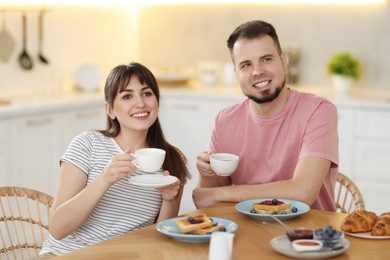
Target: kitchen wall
73,36
184,35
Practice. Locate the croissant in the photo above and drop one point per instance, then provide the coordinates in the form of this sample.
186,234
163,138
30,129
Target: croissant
359,221
382,225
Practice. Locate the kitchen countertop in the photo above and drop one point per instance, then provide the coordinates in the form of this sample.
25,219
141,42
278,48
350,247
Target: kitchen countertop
358,97
30,105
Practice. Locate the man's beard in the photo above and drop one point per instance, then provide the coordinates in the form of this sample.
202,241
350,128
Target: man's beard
268,96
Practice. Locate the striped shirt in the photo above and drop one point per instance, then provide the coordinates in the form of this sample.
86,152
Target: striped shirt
124,207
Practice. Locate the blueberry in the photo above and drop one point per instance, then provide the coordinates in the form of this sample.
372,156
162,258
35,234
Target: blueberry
294,210
274,213
274,201
190,219
283,212
253,211
337,234
211,220
223,229
328,228
215,224
319,232
208,233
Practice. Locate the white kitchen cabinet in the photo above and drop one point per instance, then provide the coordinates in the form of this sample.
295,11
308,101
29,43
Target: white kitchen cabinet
346,126
372,157
77,121
34,151
4,151
35,143
187,122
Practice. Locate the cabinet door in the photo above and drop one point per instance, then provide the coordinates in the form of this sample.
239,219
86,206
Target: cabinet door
77,121
346,130
187,125
35,152
4,153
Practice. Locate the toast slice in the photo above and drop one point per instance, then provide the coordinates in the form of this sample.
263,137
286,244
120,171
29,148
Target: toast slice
208,230
260,211
192,223
271,205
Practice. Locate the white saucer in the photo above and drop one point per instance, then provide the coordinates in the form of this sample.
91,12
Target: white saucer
152,180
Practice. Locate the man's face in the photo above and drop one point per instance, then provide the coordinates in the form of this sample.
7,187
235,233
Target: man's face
259,68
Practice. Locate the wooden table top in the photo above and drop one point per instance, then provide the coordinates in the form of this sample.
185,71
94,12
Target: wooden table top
252,240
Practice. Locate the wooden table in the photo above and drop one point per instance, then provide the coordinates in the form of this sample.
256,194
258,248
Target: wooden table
251,240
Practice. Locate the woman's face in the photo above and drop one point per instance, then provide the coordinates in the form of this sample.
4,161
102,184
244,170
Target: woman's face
135,108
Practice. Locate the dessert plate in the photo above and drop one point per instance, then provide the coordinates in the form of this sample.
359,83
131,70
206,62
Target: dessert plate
169,228
283,245
152,180
246,206
366,235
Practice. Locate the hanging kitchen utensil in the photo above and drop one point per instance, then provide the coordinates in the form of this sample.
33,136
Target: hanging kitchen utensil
24,59
42,58
7,43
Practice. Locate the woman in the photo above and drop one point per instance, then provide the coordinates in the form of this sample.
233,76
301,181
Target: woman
94,200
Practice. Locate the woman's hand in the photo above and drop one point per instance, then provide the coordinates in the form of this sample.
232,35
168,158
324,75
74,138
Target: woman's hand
203,164
169,192
117,168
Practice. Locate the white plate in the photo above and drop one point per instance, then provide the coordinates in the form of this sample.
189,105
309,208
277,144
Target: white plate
152,180
169,228
246,206
88,77
283,245
366,235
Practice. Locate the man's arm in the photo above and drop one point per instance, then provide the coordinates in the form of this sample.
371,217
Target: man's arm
305,185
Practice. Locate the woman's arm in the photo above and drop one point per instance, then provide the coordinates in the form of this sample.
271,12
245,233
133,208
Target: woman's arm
172,195
75,200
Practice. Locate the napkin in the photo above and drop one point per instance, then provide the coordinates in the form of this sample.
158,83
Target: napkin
221,245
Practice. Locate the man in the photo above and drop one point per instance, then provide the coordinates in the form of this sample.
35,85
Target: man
287,141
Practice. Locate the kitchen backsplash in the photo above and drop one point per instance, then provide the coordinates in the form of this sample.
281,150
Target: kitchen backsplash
183,36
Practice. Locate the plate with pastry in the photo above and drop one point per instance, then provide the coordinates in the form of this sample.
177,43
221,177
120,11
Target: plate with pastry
366,224
195,229
265,208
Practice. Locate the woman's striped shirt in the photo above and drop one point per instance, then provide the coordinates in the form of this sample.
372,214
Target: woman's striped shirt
124,207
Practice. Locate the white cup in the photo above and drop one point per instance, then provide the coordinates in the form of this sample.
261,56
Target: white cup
149,159
224,164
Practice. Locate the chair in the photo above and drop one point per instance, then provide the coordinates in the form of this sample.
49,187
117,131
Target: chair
348,195
24,218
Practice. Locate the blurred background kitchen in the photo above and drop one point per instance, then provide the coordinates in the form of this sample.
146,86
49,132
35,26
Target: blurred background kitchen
82,40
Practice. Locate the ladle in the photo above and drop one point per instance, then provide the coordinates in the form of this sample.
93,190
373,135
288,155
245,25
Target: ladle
24,59
42,58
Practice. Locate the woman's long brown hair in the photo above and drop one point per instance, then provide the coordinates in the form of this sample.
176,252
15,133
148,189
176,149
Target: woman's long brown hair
117,80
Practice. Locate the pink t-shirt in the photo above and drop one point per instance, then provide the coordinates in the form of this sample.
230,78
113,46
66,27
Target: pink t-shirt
270,147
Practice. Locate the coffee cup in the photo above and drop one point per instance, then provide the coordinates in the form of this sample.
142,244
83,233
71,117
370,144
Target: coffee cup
224,164
149,159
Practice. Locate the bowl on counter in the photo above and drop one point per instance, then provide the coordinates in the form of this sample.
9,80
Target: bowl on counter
171,76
